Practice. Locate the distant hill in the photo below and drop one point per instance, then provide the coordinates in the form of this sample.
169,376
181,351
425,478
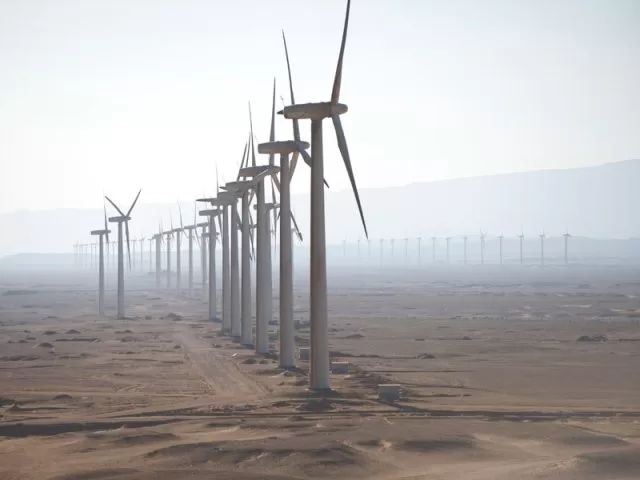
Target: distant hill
597,202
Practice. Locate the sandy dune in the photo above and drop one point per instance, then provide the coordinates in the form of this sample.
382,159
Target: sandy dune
507,373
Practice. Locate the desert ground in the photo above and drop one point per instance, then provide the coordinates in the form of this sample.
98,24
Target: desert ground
507,373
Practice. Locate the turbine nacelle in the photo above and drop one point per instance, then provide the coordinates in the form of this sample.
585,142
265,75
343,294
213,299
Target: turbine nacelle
119,219
100,232
313,111
238,187
226,198
258,172
212,212
282,148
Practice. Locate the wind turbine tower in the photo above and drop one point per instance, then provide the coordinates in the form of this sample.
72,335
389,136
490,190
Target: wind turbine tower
243,189
317,112
500,239
464,239
213,300
263,274
189,229
566,236
101,234
521,238
448,239
433,249
286,150
151,240
542,237
122,218
203,254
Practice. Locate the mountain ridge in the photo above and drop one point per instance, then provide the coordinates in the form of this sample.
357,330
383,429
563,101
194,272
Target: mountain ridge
593,201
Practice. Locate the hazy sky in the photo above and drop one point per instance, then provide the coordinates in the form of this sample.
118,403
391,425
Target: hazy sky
123,94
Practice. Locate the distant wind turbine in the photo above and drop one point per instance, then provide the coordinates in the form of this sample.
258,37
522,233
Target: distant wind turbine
521,237
101,235
465,239
122,218
433,249
566,236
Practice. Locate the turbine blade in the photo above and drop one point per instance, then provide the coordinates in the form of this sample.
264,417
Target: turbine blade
342,145
114,206
335,94
274,179
294,162
244,154
134,202
307,159
126,226
295,225
106,224
251,230
217,182
180,210
296,126
272,132
253,150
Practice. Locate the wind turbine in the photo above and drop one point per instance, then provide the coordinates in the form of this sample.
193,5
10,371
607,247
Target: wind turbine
101,235
169,235
179,232
122,218
448,240
257,174
133,262
406,250
566,236
213,300
141,240
433,249
221,203
189,229
269,207
317,112
158,237
464,239
521,237
542,237
500,239
234,276
151,240
242,189
203,255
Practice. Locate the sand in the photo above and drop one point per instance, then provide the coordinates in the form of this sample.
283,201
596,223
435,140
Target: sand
506,373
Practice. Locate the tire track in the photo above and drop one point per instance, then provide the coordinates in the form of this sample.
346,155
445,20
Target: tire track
221,374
